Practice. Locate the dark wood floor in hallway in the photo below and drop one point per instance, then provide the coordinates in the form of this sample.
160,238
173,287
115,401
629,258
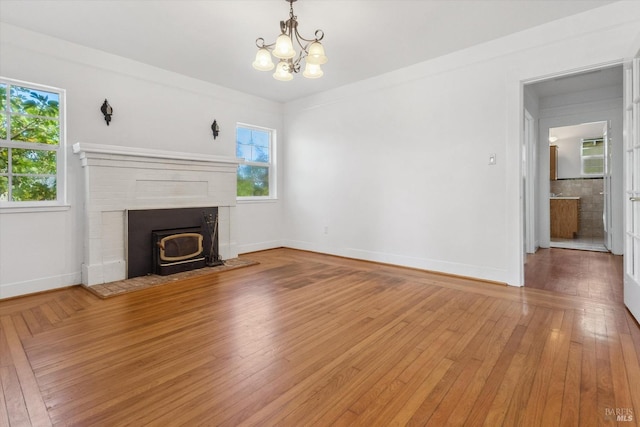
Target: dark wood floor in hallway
306,339
597,275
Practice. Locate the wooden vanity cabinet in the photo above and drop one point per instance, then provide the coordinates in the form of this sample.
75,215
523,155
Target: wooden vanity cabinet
553,162
565,217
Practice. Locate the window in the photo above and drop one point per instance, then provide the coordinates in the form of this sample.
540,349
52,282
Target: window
31,143
592,156
255,146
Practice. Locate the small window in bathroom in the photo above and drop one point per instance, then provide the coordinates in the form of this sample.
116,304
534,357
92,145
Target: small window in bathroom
592,156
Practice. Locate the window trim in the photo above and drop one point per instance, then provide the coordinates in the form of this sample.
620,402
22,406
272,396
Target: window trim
271,165
61,149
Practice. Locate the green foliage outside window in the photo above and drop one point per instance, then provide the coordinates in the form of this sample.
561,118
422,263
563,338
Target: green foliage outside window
29,143
253,181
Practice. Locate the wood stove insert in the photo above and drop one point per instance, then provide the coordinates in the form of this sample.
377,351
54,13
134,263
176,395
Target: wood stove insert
177,250
167,241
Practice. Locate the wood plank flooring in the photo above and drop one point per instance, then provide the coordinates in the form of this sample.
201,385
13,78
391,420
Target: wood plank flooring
596,275
308,339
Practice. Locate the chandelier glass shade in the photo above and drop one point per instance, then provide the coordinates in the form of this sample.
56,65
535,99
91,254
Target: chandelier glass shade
310,51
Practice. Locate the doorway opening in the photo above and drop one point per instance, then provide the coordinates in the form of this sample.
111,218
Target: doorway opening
577,186
588,104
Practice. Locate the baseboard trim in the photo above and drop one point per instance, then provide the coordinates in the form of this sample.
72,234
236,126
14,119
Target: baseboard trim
29,287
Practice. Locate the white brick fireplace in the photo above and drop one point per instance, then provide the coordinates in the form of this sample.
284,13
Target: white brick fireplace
119,179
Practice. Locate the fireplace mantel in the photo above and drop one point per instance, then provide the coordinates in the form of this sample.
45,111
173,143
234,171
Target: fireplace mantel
118,179
94,151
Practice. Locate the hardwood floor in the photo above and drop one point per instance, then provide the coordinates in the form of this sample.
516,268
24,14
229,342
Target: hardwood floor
308,339
596,275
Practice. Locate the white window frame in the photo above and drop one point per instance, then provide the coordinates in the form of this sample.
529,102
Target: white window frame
60,149
583,157
271,165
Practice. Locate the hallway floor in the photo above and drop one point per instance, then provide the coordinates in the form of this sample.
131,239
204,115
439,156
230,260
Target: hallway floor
596,275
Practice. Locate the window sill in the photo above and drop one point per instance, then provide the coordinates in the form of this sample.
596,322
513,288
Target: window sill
247,200
32,208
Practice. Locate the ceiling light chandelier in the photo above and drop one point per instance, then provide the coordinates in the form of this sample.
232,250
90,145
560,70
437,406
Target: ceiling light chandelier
311,50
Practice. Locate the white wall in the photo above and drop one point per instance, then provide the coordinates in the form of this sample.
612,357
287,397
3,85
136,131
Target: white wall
569,163
396,167
399,174
153,109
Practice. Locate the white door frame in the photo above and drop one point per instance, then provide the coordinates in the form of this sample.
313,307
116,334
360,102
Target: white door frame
607,214
530,172
632,186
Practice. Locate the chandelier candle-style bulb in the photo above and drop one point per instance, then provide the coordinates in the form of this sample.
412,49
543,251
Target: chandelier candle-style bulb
316,54
263,60
309,50
284,47
282,72
312,71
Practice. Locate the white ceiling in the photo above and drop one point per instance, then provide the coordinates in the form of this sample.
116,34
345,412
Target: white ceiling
214,40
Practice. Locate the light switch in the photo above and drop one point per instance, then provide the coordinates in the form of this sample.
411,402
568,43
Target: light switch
492,158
